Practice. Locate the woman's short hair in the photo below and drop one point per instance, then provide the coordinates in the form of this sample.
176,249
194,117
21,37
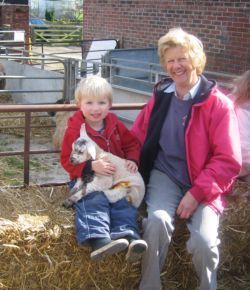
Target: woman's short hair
95,87
178,37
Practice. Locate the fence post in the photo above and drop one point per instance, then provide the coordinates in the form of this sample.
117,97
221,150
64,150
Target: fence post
70,78
26,157
42,61
67,78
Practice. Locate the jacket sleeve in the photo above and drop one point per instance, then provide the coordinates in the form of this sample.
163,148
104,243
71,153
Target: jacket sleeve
140,125
129,143
224,163
74,170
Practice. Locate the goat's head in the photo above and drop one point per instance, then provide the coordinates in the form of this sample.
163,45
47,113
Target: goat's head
83,148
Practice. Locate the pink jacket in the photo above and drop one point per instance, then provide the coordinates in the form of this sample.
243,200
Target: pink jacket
212,142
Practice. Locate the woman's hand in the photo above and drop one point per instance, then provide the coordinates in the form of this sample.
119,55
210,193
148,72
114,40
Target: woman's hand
187,206
103,167
131,166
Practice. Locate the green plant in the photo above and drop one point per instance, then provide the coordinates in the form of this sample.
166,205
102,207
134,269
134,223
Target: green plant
36,165
50,15
3,144
11,170
14,162
78,17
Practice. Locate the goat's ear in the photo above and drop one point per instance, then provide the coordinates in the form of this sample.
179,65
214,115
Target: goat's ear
83,132
91,148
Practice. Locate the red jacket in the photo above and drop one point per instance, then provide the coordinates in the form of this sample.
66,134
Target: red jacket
116,139
211,138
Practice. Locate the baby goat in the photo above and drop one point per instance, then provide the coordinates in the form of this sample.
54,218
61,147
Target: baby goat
117,186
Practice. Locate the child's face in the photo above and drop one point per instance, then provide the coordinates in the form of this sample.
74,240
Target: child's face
95,110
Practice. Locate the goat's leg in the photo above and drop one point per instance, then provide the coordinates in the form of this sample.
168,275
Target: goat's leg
76,193
78,186
135,196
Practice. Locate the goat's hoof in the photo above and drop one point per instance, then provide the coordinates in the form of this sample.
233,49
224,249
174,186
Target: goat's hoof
67,203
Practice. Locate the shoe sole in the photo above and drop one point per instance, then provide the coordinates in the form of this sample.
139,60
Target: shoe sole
135,251
110,249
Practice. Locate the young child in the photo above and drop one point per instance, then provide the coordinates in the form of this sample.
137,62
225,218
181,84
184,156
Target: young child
241,98
107,228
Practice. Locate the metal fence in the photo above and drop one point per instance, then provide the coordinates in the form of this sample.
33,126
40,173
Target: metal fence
71,64
128,69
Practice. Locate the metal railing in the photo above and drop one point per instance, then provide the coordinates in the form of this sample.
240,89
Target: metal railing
28,110
63,68
65,63
123,73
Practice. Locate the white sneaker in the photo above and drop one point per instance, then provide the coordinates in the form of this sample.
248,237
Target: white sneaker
135,250
113,247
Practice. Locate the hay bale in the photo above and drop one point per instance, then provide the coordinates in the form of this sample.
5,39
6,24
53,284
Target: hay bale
17,122
38,249
6,98
61,125
235,240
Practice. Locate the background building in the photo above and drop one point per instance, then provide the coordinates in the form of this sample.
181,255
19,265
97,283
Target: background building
61,8
222,25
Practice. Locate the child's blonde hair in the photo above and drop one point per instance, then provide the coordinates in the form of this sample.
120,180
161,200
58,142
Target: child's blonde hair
177,37
241,90
95,87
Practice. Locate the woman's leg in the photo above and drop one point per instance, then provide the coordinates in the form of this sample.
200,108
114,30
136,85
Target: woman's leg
203,245
163,198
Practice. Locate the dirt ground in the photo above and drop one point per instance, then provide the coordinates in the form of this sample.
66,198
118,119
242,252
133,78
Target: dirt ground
67,52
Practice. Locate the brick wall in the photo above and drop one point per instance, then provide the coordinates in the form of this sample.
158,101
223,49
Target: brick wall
16,16
223,26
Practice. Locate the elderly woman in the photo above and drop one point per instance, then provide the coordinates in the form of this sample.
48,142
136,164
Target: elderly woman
189,160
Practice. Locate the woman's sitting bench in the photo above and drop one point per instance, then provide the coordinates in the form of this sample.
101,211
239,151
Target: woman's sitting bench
38,249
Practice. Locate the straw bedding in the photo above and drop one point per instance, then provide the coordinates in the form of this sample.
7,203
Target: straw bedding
38,248
16,121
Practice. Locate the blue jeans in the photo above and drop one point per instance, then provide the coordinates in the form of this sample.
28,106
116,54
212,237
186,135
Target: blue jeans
95,217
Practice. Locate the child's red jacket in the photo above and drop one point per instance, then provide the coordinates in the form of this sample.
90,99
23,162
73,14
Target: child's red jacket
116,139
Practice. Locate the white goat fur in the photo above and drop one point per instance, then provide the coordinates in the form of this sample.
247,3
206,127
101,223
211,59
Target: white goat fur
122,184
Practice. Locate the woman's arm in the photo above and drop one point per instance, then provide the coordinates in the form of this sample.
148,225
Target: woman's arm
224,163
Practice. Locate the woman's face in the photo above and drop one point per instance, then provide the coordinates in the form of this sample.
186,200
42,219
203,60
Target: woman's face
178,64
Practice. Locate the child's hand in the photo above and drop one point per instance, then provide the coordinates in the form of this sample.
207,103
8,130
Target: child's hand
131,166
103,167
